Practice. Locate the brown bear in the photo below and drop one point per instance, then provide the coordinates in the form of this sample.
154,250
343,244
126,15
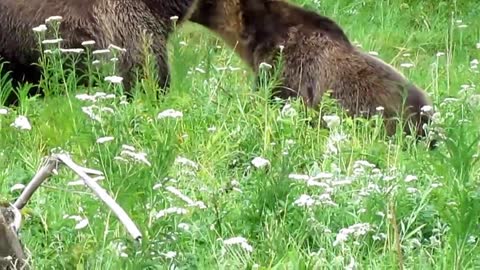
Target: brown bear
317,56
117,22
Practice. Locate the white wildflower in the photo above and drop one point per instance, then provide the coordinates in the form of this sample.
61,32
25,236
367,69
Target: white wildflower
238,241
211,129
355,230
88,42
88,110
304,200
331,120
53,19
157,186
72,50
170,113
410,178
102,51
21,122
462,26
265,65
120,159
406,55
171,210
107,109
407,65
52,41
288,111
426,108
260,162
380,109
40,28
184,226
200,70
140,156
117,48
351,265
85,97
74,217
322,175
114,59
440,54
295,176
105,139
128,147
412,190
81,224
17,187
114,79
183,43
170,254
185,198
341,182
3,111
471,239
281,47
120,248
174,18
96,62
363,163
373,53
187,162
436,185
99,95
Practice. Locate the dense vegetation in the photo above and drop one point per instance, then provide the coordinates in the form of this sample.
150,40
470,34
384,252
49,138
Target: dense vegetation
270,190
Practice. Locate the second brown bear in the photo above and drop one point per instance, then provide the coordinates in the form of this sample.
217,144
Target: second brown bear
318,56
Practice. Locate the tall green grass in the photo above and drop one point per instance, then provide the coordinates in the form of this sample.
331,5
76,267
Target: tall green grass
339,198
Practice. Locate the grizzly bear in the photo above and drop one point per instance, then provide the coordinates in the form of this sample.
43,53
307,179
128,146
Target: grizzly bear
117,22
317,56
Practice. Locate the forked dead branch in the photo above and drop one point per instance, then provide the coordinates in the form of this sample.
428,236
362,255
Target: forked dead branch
10,218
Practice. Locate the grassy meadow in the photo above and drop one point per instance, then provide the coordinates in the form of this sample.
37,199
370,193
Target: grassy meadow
265,189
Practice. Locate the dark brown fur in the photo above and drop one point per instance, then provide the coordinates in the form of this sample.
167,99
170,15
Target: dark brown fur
317,56
118,22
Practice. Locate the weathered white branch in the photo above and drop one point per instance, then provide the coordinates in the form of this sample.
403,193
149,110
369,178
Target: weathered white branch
103,195
41,175
46,171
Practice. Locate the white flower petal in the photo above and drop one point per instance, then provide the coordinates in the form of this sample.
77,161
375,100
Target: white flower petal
105,139
17,187
82,224
114,79
260,162
170,113
21,122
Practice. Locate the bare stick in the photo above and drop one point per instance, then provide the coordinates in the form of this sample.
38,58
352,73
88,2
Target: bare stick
42,174
103,195
12,255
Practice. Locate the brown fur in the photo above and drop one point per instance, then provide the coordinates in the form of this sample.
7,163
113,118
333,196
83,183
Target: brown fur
118,22
317,56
